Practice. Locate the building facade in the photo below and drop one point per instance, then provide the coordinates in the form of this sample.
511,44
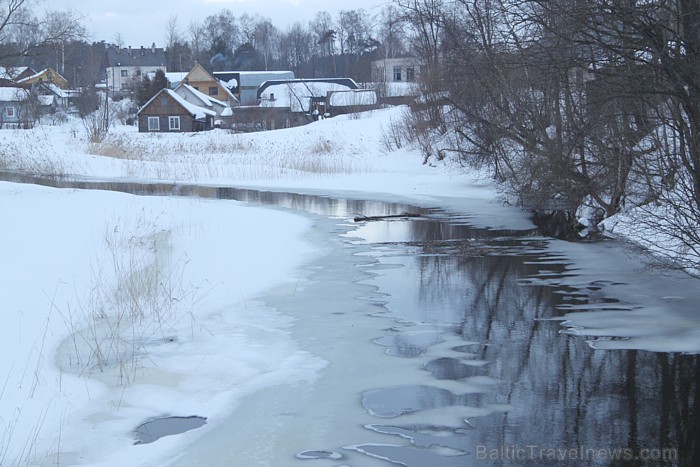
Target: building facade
126,65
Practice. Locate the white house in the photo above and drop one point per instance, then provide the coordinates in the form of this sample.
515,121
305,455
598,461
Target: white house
126,64
398,70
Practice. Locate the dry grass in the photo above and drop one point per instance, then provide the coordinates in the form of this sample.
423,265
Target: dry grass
138,298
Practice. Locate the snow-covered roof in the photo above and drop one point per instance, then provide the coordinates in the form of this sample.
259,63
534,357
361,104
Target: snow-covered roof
297,95
197,111
46,100
206,100
353,97
12,94
12,73
56,90
35,75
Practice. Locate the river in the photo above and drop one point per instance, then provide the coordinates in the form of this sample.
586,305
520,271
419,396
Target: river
445,347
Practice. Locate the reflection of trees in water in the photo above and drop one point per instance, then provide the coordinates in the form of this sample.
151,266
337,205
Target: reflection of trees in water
563,393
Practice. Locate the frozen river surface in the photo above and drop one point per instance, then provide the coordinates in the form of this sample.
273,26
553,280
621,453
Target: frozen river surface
445,347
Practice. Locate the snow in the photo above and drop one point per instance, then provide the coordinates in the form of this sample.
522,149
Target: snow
400,89
196,337
215,342
11,94
206,100
353,97
296,96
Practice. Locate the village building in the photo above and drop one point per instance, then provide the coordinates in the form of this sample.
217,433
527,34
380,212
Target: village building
167,111
396,70
126,65
10,75
246,84
288,102
47,75
396,79
203,81
15,108
198,98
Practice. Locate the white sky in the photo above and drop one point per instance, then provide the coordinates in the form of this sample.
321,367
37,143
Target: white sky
142,22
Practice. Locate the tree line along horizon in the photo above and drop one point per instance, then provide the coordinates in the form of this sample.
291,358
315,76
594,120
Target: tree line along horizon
323,47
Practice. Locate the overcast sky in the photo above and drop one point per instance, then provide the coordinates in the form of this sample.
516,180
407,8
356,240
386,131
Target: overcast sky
142,22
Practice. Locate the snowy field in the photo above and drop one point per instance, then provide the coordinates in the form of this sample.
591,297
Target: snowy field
118,308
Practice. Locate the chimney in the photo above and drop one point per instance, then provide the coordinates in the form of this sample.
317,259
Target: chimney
153,48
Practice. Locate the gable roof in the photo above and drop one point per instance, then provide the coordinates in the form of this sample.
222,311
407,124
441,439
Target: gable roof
143,57
200,74
196,111
50,89
15,72
208,101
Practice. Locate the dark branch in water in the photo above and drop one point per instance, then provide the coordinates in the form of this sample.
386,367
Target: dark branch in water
390,216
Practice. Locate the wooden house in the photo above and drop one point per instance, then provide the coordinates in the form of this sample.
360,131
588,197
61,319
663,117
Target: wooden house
169,112
206,83
47,75
9,76
200,99
15,108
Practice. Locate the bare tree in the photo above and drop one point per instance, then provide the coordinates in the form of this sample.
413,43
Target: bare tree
354,29
196,36
172,31
221,35
295,47
325,33
392,31
27,33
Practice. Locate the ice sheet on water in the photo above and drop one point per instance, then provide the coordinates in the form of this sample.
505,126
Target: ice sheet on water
623,304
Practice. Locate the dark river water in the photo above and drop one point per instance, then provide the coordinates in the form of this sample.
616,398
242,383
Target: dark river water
468,310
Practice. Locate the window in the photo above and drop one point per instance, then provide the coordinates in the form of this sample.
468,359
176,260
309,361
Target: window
397,73
153,124
410,73
138,72
164,101
10,111
124,73
174,123
213,91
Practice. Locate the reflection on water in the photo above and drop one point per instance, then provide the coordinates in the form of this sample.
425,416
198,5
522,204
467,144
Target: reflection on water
556,392
478,311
